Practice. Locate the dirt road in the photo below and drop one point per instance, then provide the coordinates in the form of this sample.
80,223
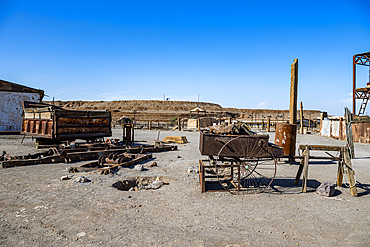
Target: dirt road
39,209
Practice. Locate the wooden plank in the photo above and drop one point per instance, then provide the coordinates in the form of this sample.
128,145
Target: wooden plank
321,147
202,176
300,169
305,170
340,170
349,134
301,116
350,172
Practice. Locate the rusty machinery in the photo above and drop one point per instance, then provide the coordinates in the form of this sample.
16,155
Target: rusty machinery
361,93
110,153
50,124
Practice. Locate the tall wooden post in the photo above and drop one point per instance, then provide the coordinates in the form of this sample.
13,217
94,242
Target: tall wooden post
150,125
293,101
179,123
268,125
198,124
293,92
301,117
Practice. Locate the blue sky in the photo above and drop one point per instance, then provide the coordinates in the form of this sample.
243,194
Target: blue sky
234,53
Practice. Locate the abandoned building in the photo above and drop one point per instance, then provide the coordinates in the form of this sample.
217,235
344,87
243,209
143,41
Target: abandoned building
12,96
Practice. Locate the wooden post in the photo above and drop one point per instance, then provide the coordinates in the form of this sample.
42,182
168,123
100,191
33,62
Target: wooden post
293,100
350,172
340,169
305,169
268,125
198,124
300,168
301,117
293,92
179,123
229,121
349,135
150,125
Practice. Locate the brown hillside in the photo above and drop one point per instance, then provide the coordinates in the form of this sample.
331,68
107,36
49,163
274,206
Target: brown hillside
156,110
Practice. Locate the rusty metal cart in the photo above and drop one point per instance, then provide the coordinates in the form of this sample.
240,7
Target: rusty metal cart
239,163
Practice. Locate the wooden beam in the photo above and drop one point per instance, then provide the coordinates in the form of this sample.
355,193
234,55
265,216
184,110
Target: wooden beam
321,147
301,116
350,172
305,170
340,170
293,92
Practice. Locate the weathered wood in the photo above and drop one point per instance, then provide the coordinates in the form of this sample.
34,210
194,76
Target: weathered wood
349,135
321,147
340,174
293,92
305,170
300,169
179,123
198,124
268,125
350,172
301,117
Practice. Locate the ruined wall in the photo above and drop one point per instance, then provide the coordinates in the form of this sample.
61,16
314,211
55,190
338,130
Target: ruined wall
337,129
11,106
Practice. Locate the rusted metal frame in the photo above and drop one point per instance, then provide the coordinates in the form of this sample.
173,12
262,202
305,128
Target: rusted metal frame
362,59
95,166
71,155
354,86
44,160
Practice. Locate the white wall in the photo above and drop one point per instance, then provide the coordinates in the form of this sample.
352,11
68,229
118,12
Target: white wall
11,104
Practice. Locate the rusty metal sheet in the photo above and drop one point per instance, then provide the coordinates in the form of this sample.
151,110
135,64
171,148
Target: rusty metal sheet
211,144
361,132
83,122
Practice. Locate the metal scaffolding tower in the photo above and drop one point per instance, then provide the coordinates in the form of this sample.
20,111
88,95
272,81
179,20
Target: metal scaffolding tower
361,93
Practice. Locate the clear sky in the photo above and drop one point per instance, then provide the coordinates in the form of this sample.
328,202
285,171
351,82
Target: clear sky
234,53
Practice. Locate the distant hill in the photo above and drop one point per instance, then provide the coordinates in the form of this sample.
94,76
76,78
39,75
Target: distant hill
157,110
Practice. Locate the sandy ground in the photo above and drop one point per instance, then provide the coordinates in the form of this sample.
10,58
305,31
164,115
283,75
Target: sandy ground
38,209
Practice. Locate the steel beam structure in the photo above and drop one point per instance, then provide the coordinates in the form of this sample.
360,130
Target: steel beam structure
360,93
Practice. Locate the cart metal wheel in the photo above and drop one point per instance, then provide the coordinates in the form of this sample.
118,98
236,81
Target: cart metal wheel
252,158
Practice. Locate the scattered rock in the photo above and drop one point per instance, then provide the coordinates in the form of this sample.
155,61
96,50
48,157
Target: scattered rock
153,164
192,170
81,179
139,167
326,189
81,234
66,177
155,185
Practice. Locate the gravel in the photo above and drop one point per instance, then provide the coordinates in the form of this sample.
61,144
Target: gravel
37,208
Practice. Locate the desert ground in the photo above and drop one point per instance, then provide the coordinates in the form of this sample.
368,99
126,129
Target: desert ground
37,208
